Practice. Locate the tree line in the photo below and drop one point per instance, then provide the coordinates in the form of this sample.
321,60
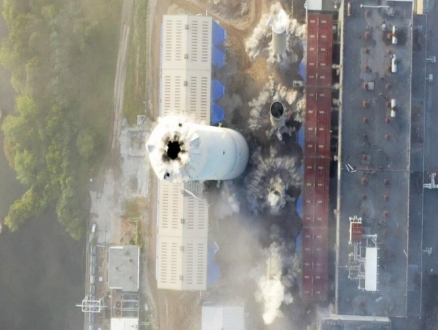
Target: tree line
48,140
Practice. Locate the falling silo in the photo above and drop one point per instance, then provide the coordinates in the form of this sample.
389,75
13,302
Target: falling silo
180,150
276,197
279,24
277,114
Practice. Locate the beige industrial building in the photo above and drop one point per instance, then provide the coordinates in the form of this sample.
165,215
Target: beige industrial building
185,75
182,217
182,236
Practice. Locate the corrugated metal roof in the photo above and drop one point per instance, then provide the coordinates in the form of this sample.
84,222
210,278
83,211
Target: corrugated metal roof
315,192
181,263
186,42
182,232
185,89
186,59
186,92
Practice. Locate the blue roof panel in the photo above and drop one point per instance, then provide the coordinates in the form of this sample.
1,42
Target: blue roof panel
217,89
300,206
213,270
303,64
219,34
301,137
217,114
218,58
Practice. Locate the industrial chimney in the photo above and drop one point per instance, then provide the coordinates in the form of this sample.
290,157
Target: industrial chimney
180,151
279,22
277,114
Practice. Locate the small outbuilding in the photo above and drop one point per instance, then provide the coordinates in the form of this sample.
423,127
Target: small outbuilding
223,318
124,268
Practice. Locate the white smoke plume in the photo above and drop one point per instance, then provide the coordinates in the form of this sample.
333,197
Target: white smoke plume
277,195
300,109
228,203
259,43
272,289
253,45
264,168
259,104
293,101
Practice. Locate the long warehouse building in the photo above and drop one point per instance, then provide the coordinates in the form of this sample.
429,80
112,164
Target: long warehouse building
315,192
191,49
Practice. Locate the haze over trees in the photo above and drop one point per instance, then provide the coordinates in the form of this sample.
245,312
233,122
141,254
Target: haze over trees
62,58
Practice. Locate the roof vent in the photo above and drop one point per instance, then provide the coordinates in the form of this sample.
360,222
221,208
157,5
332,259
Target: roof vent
186,26
186,83
186,56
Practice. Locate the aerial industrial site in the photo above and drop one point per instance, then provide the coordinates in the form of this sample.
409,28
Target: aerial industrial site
286,159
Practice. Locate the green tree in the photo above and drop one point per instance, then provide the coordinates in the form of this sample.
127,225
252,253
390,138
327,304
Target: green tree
29,206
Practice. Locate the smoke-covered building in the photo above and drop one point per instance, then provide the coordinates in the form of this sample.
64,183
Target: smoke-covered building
223,318
191,50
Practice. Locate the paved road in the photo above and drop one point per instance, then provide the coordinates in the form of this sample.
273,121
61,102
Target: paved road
119,83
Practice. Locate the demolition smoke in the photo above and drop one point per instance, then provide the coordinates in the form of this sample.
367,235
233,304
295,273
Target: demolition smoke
272,288
286,34
292,100
267,171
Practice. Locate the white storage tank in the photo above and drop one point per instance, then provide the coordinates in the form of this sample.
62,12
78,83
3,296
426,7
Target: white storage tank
180,150
393,106
394,37
394,64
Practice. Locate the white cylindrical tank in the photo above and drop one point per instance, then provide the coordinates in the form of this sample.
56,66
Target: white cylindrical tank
394,36
394,64
393,106
277,114
280,22
180,150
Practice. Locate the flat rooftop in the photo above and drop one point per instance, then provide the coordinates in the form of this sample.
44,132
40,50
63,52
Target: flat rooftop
123,268
377,146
